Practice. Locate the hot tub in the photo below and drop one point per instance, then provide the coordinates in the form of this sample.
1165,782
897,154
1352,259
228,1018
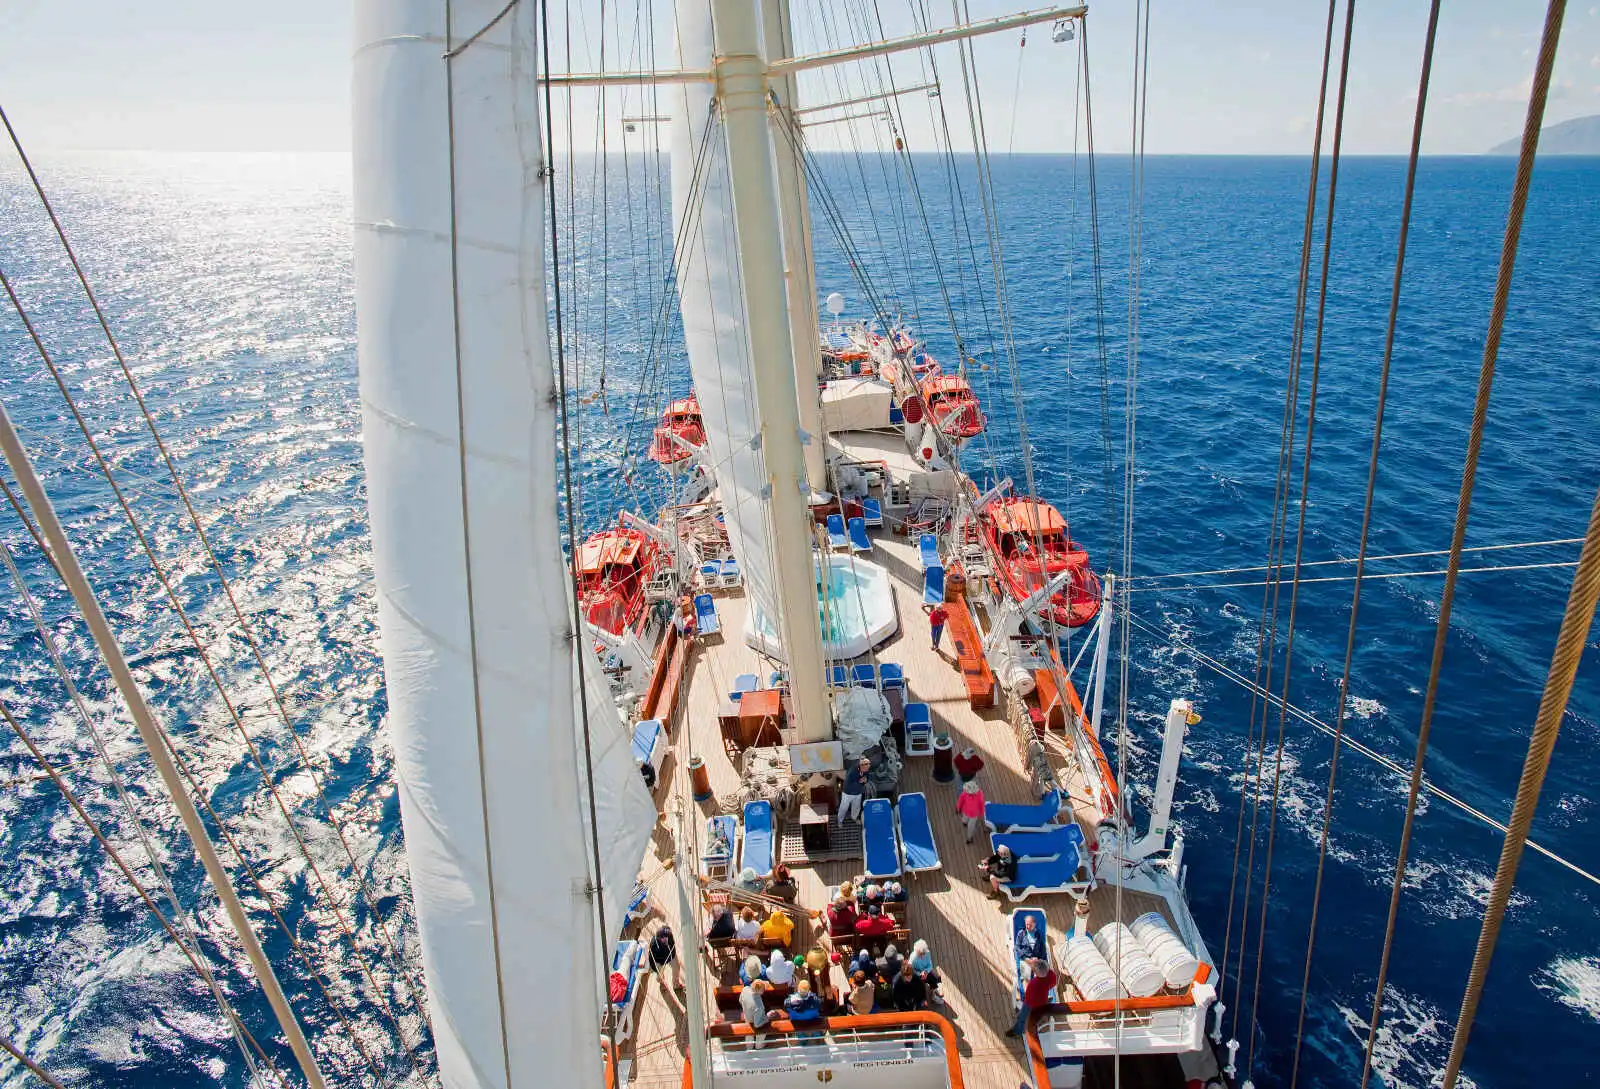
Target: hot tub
857,614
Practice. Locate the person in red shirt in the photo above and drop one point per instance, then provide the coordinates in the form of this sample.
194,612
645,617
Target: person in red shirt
874,924
937,615
1036,993
968,763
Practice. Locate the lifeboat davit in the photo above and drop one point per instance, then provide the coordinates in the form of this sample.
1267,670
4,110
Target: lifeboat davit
1028,539
679,434
953,405
614,566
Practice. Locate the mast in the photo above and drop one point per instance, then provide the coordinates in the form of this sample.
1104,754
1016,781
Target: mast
800,268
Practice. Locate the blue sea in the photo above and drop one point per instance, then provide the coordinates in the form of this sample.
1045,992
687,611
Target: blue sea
229,281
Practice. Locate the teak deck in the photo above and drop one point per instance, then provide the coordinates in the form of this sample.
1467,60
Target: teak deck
965,929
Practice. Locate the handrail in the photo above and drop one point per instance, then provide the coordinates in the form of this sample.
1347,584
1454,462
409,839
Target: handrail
1041,1072
947,1033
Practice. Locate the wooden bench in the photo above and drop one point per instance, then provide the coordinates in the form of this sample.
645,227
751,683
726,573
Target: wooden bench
772,997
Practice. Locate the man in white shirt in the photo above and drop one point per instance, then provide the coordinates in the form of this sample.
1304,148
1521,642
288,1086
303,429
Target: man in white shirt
755,1009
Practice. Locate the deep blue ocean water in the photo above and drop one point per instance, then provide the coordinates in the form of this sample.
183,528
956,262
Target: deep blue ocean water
228,279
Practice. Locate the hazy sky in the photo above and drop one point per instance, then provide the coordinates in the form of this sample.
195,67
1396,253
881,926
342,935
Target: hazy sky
1237,76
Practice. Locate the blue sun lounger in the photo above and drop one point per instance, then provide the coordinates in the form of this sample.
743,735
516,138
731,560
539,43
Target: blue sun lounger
1065,841
919,730
637,908
1020,818
1059,874
892,675
721,834
1015,923
839,676
859,541
928,548
864,675
933,586
836,537
730,571
872,512
650,743
878,839
628,962
918,852
757,853
705,615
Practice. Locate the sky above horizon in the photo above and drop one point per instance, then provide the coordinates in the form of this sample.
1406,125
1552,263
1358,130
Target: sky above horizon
1224,78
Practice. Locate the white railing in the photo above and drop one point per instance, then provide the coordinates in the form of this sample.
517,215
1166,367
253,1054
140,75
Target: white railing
1141,1032
913,1054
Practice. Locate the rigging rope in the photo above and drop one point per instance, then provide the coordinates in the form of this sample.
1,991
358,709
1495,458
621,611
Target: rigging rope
1469,469
1365,577
1366,524
32,1067
1355,559
393,955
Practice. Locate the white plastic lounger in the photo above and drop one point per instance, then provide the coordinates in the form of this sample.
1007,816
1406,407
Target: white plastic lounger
1014,923
705,615
918,852
717,859
627,962
757,853
859,541
836,537
1034,877
878,839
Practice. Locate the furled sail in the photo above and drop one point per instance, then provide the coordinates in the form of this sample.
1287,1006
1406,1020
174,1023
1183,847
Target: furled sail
459,427
712,303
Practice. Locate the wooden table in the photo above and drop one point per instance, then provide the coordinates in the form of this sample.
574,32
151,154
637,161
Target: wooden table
814,823
760,717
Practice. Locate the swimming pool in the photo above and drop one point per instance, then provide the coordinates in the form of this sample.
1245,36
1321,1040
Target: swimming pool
857,612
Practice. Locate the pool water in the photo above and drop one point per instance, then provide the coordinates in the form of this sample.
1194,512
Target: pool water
856,609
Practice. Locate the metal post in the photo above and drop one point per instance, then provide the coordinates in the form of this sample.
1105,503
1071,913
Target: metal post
1101,650
741,77
800,270
1178,714
150,733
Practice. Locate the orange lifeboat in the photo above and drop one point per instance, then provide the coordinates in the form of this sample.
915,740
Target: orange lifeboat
953,405
1029,541
614,566
681,429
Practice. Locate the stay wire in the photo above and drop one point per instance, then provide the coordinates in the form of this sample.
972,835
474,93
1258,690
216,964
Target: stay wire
391,948
1300,528
1533,770
164,578
1266,639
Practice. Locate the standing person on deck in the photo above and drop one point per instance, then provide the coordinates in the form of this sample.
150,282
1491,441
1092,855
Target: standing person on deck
1036,994
752,1004
855,790
969,804
937,616
664,951
967,764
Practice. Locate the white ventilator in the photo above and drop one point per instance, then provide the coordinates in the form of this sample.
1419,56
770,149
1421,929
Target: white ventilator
1089,971
1126,954
1166,949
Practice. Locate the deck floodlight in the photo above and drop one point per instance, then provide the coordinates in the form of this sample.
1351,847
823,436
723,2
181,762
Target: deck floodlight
1063,31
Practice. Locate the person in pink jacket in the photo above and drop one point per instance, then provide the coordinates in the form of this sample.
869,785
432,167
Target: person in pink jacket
969,803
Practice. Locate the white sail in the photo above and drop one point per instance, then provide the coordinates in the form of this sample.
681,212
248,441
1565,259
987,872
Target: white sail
712,303
475,623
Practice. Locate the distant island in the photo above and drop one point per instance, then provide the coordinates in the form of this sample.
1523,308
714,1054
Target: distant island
1580,136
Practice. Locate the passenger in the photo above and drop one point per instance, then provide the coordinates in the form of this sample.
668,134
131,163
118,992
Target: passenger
1030,940
750,881
863,993
969,804
894,892
872,896
888,965
841,918
780,972
921,962
1035,993
863,961
721,924
664,951
782,886
1000,868
754,1007
802,1004
910,992
968,763
685,622
856,789
747,931
751,970
874,924
777,928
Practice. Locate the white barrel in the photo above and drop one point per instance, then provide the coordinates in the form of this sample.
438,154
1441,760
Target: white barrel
1171,956
1136,970
1088,970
